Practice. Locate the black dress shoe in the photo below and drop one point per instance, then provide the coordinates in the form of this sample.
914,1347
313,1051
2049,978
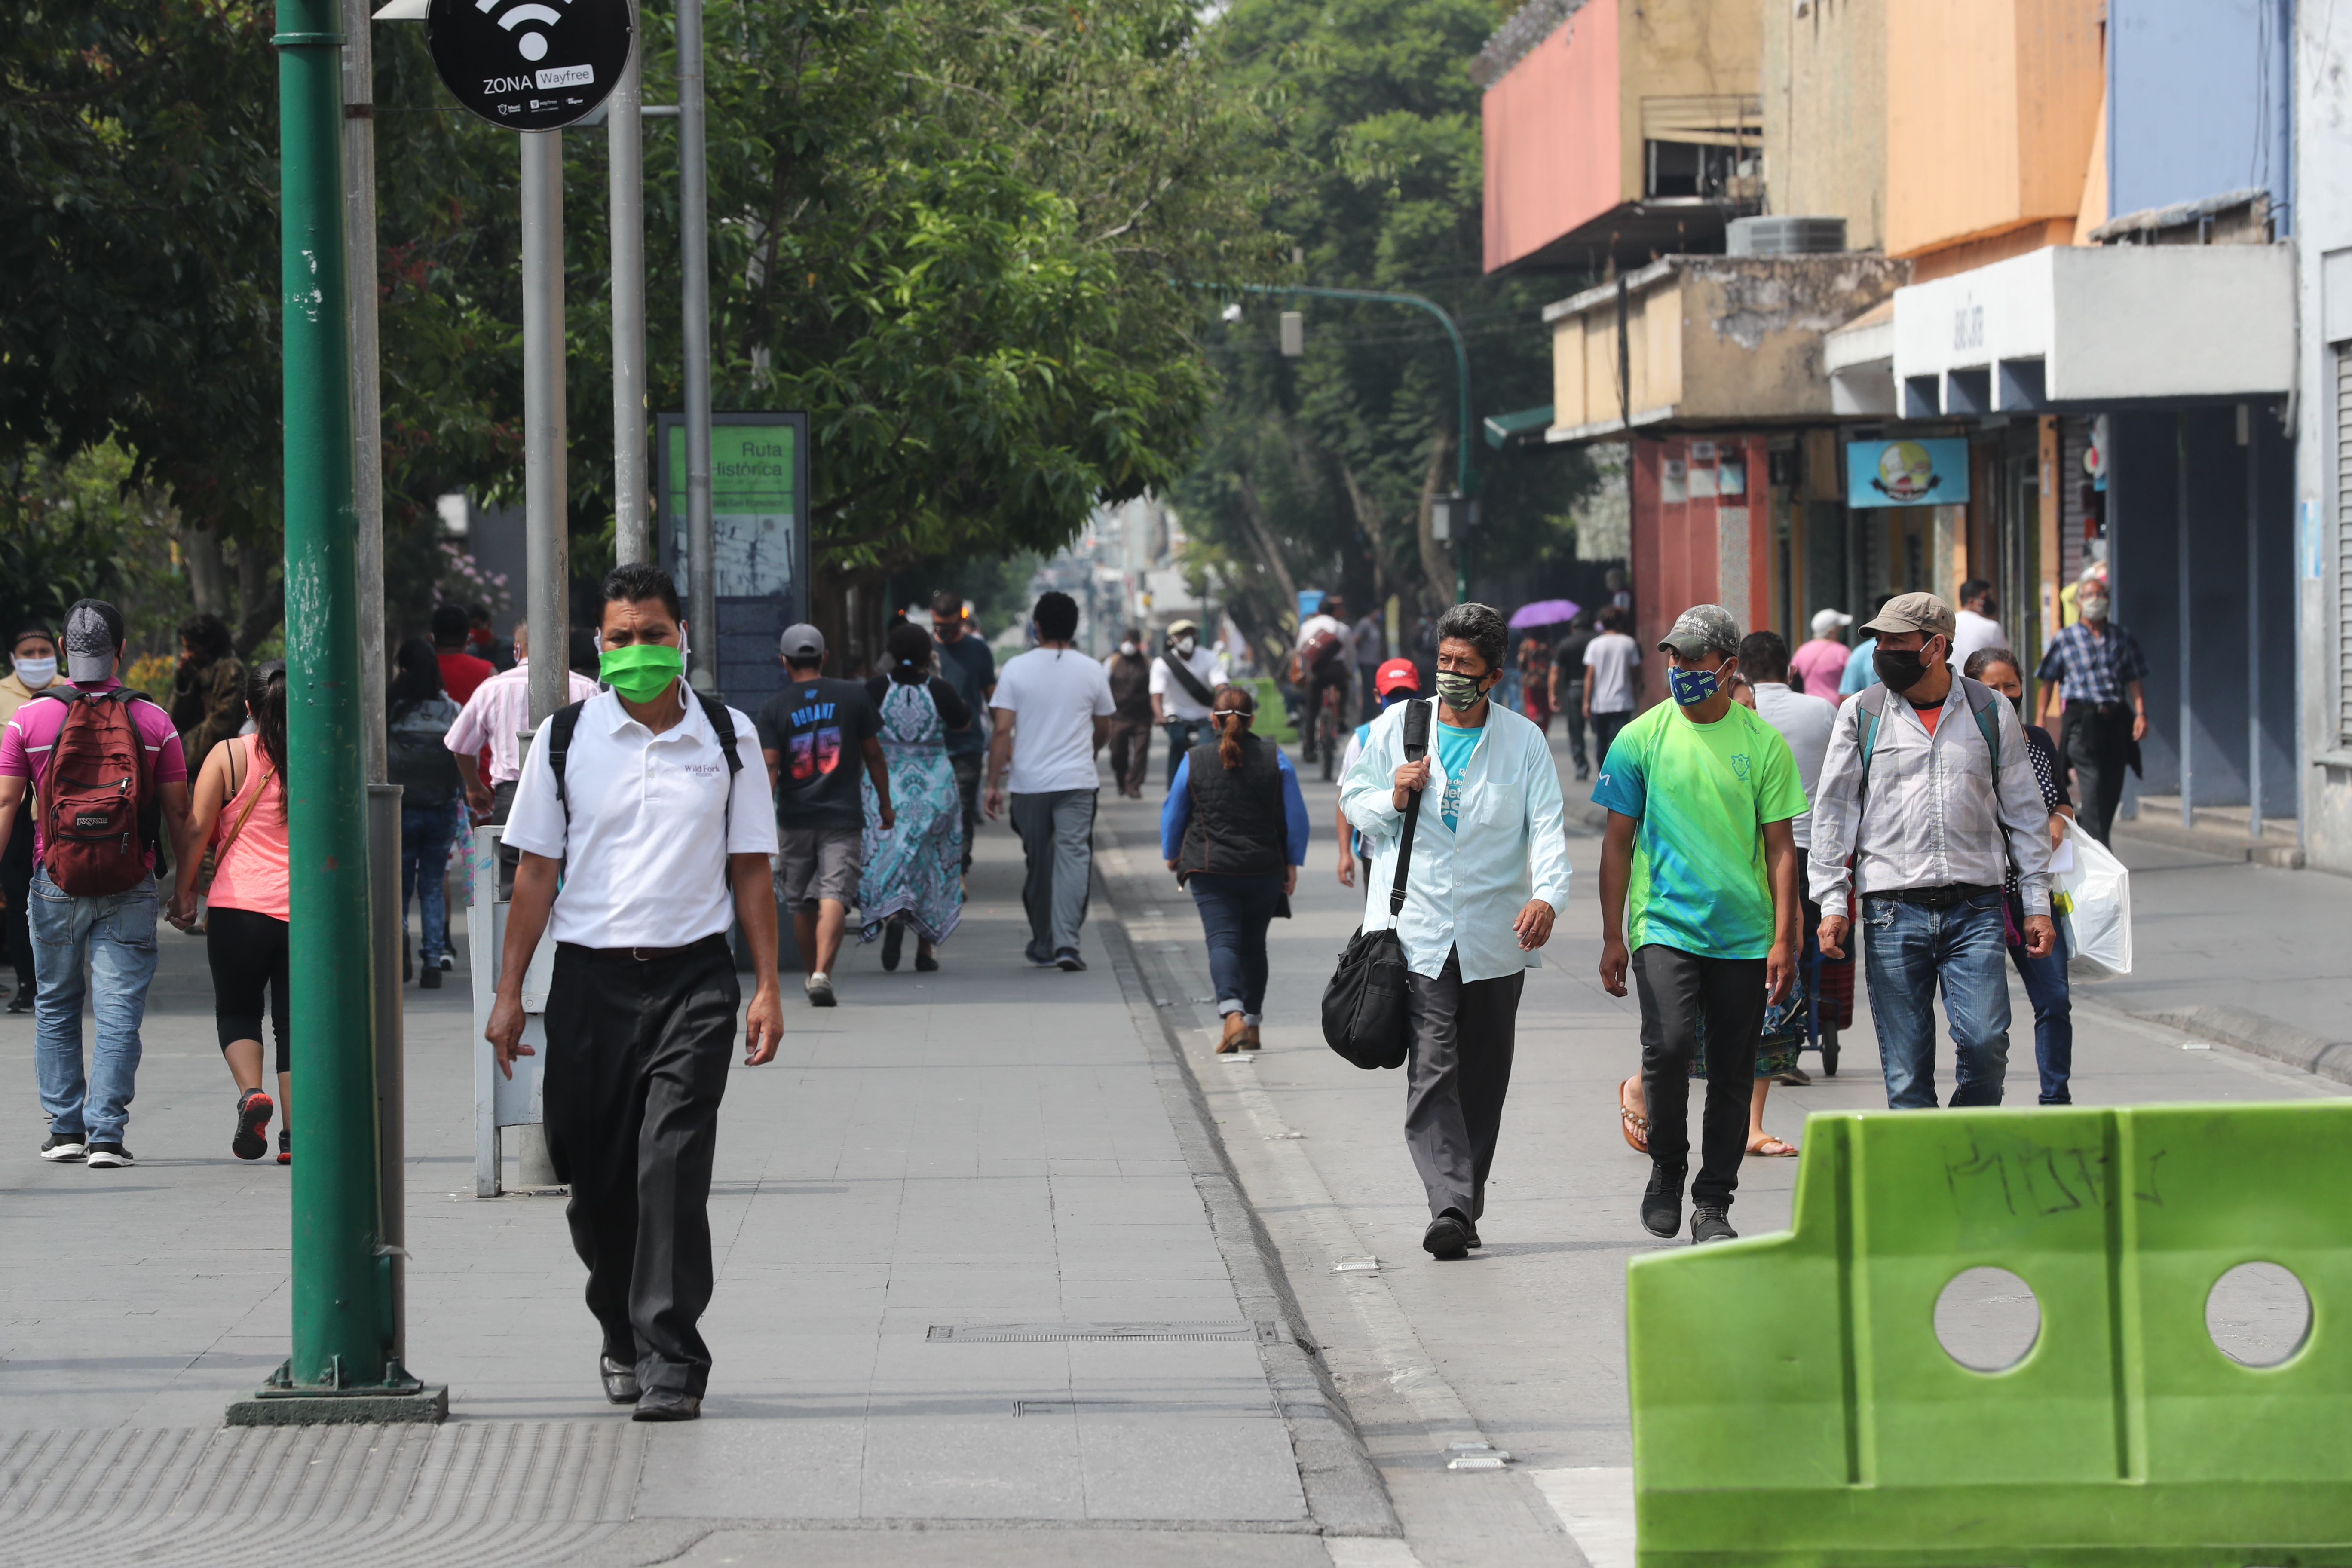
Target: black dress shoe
1662,1203
620,1380
893,938
1472,1240
668,1404
1448,1236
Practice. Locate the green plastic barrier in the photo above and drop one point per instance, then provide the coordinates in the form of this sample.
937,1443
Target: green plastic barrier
1792,1405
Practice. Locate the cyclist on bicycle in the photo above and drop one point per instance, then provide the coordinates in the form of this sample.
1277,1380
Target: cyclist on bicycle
1327,664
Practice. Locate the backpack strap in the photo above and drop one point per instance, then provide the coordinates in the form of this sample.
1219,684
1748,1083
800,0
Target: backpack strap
1413,753
560,725
1980,707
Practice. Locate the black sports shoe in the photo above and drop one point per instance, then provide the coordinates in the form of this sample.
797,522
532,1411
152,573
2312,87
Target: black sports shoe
1448,1236
1711,1222
286,1146
620,1380
668,1404
430,980
893,938
109,1157
1068,960
251,1138
1662,1202
22,1002
55,1147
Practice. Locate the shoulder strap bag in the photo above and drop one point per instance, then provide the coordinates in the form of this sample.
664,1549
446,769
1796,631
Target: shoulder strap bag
215,853
1189,681
1365,1018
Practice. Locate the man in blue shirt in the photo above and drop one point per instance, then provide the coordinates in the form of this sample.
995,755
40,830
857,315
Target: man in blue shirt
1860,671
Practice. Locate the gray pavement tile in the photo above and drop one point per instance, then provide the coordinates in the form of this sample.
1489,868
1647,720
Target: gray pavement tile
763,1467
962,1547
1207,1465
974,1465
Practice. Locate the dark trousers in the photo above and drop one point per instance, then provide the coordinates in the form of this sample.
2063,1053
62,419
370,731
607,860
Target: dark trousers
1459,1070
635,1065
16,882
1678,990
1234,913
1571,709
967,766
1604,734
2053,1015
1183,734
1131,753
2098,748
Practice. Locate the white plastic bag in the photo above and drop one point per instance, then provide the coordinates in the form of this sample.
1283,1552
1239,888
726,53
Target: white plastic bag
2099,889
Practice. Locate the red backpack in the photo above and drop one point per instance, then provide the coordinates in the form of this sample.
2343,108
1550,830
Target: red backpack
98,797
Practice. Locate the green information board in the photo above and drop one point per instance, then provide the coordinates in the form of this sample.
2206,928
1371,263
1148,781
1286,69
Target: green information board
759,486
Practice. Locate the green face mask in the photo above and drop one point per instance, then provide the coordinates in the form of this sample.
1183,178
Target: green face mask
1458,692
642,671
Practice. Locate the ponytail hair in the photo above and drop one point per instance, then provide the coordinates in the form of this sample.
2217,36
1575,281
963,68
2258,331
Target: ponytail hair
1228,735
265,699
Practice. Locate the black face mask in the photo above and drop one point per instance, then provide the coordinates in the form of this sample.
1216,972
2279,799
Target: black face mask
1899,670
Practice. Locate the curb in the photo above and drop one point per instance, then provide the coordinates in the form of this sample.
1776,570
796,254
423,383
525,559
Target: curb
2221,846
2260,1036
1345,1494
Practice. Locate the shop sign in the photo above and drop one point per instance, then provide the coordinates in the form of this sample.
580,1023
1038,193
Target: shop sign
1906,473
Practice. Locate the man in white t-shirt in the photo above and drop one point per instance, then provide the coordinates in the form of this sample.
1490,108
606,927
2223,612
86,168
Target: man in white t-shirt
1973,625
1183,688
1052,708
1610,660
1325,660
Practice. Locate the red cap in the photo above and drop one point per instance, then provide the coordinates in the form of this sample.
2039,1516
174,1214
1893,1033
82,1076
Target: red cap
1395,673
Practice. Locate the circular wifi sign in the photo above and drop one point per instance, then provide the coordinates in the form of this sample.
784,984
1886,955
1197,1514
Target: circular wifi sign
530,64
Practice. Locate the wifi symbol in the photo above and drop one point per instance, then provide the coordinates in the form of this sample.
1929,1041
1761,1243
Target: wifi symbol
529,46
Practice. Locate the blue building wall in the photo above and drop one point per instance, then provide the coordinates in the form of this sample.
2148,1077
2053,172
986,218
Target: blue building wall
2199,100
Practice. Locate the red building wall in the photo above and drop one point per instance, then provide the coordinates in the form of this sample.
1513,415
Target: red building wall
1552,138
1709,545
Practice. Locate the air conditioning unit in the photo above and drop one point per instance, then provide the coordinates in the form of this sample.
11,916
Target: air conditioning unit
1785,236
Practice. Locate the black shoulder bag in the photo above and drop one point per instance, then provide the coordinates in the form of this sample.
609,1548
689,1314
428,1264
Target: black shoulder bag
1364,1013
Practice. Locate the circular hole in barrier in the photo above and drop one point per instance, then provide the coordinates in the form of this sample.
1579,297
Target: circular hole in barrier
2259,1314
1987,1319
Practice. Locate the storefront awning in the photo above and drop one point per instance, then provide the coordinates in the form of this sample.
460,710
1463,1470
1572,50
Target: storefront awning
2082,328
1528,425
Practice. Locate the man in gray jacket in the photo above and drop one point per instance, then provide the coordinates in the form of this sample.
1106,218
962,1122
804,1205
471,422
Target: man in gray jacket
1928,788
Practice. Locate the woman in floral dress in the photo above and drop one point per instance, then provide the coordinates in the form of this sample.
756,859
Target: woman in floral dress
912,873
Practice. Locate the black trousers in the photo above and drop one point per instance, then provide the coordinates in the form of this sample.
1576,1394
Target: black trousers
1456,1075
16,881
1131,753
1679,991
636,1062
967,768
250,954
2098,747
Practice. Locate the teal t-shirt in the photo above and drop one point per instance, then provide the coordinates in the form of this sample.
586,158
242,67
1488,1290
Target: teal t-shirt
1454,745
1702,794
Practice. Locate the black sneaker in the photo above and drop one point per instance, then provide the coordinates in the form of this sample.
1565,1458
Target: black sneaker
1662,1202
59,1149
926,964
893,939
1711,1222
620,1380
286,1146
1067,961
251,1138
22,1002
430,980
1448,1236
109,1157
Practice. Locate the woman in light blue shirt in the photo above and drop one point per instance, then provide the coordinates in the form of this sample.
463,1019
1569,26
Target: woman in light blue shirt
1488,873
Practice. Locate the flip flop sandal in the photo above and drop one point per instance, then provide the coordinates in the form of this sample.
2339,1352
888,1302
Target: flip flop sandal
1770,1148
1632,1123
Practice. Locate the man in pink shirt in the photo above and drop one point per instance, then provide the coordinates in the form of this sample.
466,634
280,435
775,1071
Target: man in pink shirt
491,719
1821,663
113,933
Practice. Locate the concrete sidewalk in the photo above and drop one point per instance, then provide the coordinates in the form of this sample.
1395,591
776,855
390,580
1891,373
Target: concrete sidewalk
982,1271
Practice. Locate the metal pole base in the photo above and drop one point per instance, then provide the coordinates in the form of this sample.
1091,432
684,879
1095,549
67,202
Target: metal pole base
398,1400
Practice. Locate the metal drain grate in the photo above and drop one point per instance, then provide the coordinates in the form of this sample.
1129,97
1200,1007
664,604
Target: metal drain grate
1071,1333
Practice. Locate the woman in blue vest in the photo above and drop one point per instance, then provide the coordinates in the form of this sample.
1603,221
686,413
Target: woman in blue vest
1234,832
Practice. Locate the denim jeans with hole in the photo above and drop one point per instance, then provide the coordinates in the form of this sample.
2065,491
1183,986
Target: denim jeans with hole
1909,950
114,936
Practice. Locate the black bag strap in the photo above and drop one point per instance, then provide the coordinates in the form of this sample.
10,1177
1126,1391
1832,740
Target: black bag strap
1190,682
565,721
1416,746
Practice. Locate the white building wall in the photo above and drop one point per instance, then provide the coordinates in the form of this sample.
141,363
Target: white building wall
2321,218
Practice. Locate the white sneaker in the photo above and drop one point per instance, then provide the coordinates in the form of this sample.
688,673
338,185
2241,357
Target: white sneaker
58,1148
819,990
109,1156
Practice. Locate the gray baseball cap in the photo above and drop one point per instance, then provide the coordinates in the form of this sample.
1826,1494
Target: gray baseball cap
1703,628
801,641
93,634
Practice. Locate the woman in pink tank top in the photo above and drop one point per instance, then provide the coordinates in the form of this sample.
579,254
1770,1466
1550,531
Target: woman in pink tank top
239,814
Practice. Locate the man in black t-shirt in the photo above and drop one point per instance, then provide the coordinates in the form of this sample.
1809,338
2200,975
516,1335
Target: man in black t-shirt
964,662
1568,685
813,733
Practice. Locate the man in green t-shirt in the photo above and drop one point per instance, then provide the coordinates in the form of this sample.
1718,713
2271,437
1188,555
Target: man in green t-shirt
1700,854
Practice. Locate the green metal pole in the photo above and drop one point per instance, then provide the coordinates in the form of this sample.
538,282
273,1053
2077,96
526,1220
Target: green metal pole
340,1336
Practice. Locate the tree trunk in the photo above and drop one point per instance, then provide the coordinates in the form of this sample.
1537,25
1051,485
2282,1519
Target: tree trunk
208,579
1269,553
261,598
1436,559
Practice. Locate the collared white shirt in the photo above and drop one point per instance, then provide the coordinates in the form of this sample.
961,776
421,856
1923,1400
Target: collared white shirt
1465,886
1174,700
646,845
499,711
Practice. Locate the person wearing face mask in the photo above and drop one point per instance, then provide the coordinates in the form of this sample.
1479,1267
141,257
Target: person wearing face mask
1234,831
1487,876
1130,670
1699,899
1973,625
2095,669
638,797
1928,794
34,649
1184,681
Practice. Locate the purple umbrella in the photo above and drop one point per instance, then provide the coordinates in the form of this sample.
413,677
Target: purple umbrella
1544,613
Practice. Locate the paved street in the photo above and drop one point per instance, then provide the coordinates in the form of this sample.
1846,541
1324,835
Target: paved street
987,1291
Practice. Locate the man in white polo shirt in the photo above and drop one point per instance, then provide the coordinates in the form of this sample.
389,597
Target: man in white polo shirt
635,798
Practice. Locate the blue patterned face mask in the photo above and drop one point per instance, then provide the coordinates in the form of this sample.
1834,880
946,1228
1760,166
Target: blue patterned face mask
1693,686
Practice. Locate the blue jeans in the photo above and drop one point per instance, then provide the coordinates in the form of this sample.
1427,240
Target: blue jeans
115,936
426,832
1908,950
1183,734
2054,1017
1234,913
